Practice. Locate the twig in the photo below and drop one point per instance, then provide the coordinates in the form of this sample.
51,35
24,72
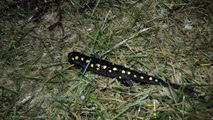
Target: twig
124,41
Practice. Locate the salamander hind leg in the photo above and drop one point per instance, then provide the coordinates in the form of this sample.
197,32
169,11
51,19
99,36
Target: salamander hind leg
125,80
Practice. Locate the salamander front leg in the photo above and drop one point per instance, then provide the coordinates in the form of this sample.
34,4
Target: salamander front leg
84,69
96,55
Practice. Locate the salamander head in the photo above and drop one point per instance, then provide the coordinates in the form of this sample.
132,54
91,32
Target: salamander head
72,56
77,58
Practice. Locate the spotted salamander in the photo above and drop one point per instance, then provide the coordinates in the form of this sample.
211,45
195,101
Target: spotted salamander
123,74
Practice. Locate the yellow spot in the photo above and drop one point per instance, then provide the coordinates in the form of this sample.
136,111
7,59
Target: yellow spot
76,57
135,76
87,61
128,73
123,71
98,68
92,65
82,59
98,65
119,77
104,67
110,71
156,80
150,78
142,77
114,69
73,58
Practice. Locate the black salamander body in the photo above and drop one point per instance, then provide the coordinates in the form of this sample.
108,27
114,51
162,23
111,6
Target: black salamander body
123,74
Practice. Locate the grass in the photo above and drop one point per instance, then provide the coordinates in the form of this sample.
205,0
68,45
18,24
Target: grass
169,39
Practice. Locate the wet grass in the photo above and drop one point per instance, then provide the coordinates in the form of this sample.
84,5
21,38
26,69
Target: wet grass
169,39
